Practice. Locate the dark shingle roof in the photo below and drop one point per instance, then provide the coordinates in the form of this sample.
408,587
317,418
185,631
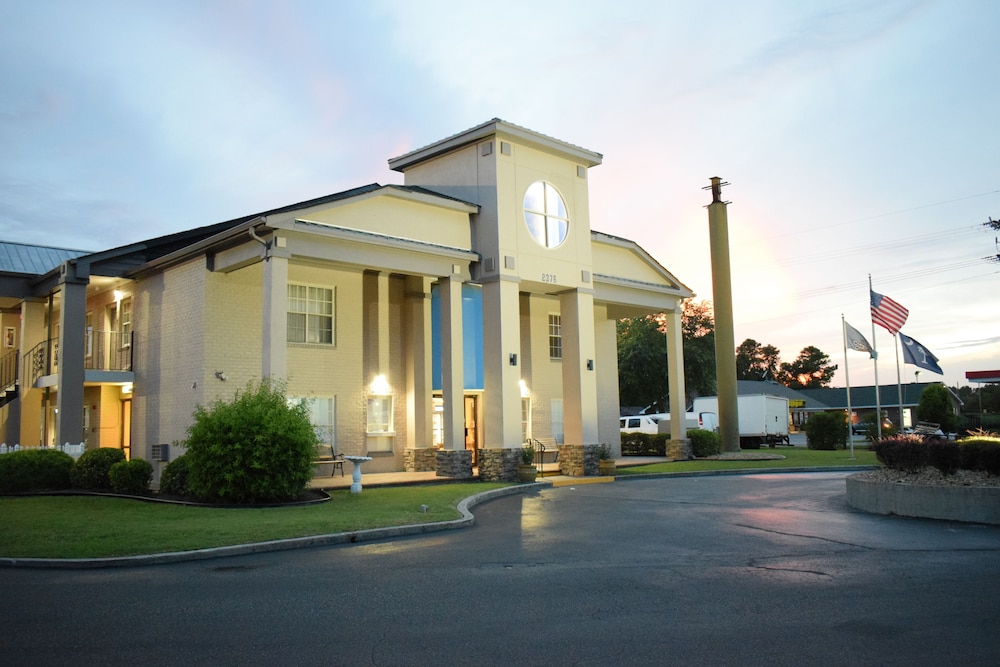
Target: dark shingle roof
33,259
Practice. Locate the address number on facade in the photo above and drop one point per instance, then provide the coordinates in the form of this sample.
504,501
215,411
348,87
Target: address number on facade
549,278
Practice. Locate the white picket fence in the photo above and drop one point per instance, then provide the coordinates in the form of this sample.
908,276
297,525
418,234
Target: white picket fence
73,450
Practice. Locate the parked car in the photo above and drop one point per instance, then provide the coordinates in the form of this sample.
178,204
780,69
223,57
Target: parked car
860,428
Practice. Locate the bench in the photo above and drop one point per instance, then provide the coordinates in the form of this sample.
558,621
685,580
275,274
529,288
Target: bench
329,458
545,446
927,429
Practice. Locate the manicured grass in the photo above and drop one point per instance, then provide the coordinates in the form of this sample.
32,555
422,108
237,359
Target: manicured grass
96,527
795,457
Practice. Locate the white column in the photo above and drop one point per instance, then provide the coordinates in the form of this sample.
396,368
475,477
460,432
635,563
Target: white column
502,372
675,375
578,371
419,389
452,364
274,353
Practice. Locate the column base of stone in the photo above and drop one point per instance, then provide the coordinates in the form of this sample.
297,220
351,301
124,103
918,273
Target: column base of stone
499,465
422,459
579,460
456,464
679,450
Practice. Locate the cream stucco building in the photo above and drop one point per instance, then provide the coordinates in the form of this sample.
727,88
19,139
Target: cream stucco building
432,325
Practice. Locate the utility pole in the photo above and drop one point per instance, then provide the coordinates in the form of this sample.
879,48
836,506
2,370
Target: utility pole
725,337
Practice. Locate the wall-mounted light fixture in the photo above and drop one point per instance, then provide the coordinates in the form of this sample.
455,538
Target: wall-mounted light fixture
513,359
221,376
380,386
590,364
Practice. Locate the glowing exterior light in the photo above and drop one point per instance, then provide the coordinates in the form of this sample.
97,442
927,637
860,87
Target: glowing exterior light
380,386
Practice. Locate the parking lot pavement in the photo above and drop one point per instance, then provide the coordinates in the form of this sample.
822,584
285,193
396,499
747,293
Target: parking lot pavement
765,569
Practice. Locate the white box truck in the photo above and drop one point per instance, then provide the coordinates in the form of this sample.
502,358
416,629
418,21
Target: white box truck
763,418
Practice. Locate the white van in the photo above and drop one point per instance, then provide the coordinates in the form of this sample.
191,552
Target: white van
651,423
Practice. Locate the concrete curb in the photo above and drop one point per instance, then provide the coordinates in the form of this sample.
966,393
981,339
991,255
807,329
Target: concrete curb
744,471
969,504
464,508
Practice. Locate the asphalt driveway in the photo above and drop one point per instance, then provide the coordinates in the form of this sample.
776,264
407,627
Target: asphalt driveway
767,569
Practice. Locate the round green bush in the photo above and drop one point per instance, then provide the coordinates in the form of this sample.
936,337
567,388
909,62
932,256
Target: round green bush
131,477
173,479
704,443
255,449
35,470
826,430
92,470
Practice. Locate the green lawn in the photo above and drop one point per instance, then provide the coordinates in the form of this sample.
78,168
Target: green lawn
795,457
95,527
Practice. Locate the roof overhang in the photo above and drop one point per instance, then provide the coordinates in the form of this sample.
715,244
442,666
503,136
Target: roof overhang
495,127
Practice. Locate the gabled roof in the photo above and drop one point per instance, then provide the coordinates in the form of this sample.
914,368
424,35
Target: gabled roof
601,237
863,398
33,259
772,388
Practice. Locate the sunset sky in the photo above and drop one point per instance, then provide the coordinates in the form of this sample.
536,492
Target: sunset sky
859,138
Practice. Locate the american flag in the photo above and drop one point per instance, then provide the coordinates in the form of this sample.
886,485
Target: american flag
887,313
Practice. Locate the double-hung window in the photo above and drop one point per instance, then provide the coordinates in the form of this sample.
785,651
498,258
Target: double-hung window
310,314
555,336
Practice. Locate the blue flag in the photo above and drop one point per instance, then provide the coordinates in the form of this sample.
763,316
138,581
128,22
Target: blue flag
918,355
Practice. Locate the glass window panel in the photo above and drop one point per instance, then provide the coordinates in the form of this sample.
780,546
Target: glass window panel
536,226
534,197
296,328
555,232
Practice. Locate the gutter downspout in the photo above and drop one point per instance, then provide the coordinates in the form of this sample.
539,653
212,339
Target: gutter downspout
261,240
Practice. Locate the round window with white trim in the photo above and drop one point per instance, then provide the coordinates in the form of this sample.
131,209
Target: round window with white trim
545,214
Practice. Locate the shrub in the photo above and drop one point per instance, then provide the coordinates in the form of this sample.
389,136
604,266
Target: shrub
174,478
704,443
35,470
945,455
644,444
131,477
902,452
255,449
527,454
826,430
92,470
981,453
603,452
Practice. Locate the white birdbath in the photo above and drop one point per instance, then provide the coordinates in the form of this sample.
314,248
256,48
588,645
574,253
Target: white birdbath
356,476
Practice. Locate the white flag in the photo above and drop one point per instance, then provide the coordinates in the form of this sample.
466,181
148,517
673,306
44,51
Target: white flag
856,341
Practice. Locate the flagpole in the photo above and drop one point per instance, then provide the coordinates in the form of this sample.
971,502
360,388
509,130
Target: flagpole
878,393
847,378
899,381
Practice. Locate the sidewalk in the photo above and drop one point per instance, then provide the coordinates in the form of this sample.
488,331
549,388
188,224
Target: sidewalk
549,472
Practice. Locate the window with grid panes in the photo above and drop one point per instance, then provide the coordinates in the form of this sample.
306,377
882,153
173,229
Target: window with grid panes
555,336
310,314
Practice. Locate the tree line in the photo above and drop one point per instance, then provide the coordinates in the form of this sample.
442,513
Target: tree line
642,362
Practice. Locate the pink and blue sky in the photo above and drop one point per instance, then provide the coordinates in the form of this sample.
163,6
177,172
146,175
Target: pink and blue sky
859,138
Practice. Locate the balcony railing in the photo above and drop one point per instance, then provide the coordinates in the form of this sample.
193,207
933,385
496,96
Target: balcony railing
103,351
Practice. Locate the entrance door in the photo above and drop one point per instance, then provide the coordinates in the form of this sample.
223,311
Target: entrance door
471,428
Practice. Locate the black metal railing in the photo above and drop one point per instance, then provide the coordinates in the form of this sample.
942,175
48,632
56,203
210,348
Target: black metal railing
103,351
8,371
